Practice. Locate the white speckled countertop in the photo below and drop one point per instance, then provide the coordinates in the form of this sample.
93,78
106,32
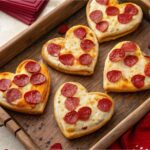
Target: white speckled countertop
9,27
8,140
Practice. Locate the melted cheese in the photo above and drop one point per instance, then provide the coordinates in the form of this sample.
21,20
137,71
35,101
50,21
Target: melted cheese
21,70
71,44
115,27
2,98
127,72
86,99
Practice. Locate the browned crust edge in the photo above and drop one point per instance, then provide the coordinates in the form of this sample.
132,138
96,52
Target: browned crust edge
35,110
88,131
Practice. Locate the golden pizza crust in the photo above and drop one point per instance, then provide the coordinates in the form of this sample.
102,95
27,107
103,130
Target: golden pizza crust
76,68
44,89
71,71
77,134
107,36
125,84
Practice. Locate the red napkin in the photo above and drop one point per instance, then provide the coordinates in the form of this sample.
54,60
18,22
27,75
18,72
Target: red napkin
26,11
138,137
23,5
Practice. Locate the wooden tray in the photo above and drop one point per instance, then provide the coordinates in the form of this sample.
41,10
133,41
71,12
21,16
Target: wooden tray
43,129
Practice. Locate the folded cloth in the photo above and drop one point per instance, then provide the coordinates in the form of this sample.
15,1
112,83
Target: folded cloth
25,10
20,17
18,8
138,137
32,5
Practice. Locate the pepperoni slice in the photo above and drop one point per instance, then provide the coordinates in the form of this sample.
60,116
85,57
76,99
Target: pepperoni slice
102,26
129,47
85,59
71,117
21,80
114,76
80,33
96,16
72,103
13,94
87,45
4,84
62,29
56,146
138,81
124,18
37,79
67,59
103,2
130,60
147,70
117,55
84,113
53,49
104,104
131,9
33,97
112,11
32,67
69,90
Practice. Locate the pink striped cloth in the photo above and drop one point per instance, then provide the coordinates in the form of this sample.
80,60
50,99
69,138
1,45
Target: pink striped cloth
26,11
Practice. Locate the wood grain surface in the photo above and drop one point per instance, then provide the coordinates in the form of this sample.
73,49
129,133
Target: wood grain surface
43,129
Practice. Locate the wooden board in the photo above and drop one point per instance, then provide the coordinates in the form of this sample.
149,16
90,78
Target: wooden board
43,129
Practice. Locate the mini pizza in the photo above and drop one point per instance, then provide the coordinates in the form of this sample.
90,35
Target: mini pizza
78,112
26,90
110,20
126,69
77,53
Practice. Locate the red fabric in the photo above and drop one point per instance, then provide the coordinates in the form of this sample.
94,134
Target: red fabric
30,5
26,11
138,137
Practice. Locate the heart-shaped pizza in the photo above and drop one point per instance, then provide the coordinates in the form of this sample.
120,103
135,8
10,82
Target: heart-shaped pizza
26,90
78,112
77,53
110,20
126,69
